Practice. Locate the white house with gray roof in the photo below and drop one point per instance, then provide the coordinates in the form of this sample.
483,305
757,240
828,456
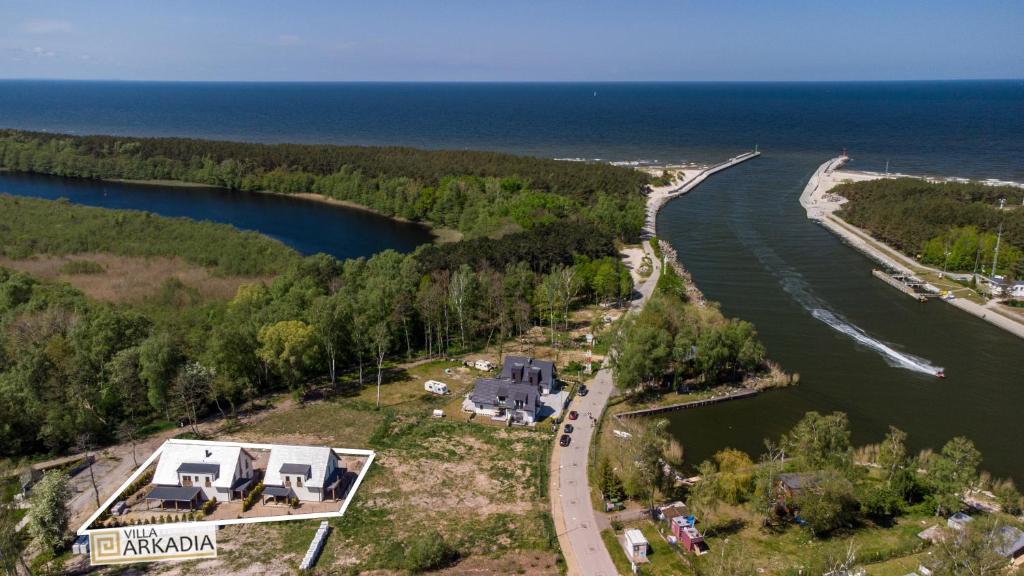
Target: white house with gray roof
195,472
309,473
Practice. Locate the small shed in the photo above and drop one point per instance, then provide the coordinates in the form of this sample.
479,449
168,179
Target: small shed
635,545
685,531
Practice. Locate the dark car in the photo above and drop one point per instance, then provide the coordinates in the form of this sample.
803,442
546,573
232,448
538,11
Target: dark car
574,415
583,390
567,429
564,440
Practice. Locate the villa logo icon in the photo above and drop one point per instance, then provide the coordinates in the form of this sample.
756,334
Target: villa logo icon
105,546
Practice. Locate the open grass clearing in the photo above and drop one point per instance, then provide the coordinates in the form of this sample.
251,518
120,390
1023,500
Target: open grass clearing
130,279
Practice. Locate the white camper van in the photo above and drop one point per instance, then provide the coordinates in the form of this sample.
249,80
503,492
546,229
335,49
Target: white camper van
435,387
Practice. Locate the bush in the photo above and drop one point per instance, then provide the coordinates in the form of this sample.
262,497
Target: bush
252,497
209,505
427,551
81,267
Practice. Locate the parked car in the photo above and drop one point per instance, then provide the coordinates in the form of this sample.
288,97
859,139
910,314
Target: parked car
567,429
574,415
583,390
564,440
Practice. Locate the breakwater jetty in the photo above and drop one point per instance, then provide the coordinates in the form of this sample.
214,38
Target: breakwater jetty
659,199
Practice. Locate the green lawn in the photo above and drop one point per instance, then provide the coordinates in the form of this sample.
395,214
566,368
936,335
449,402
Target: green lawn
663,558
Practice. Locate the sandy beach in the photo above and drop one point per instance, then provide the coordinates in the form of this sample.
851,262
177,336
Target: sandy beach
821,206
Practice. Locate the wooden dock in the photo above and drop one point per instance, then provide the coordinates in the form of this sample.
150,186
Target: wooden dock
907,284
693,404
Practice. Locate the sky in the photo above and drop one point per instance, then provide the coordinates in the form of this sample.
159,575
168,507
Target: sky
512,40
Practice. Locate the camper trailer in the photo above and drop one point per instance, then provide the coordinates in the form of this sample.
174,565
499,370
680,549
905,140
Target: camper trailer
435,387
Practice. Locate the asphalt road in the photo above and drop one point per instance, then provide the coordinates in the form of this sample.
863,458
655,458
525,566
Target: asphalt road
579,534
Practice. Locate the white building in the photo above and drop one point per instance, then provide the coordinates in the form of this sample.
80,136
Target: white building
220,472
635,545
309,473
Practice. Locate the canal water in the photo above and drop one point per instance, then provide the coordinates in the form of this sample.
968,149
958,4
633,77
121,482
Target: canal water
305,225
858,345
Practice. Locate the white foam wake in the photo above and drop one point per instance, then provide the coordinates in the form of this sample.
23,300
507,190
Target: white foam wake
892,357
793,283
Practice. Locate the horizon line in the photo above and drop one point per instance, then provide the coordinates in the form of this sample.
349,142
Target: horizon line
193,81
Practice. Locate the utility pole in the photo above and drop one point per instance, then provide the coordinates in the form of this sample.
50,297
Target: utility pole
995,255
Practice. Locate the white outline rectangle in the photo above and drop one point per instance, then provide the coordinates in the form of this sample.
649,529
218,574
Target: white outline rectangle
369,454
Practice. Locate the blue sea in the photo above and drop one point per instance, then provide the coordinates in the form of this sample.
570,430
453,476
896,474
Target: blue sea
967,128
742,234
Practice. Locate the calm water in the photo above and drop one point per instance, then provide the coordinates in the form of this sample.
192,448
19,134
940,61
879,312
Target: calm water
307,226
742,234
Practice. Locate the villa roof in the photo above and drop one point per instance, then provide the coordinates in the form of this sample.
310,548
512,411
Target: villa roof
195,468
278,491
303,469
295,460
522,368
173,493
487,390
198,458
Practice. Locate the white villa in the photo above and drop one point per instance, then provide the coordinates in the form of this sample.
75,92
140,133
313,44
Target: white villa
187,474
309,473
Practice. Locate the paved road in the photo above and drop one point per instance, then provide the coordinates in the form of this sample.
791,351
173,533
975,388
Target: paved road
579,534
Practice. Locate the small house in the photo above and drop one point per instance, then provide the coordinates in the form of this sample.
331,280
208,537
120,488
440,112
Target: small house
958,521
685,530
188,474
309,473
500,398
635,545
789,487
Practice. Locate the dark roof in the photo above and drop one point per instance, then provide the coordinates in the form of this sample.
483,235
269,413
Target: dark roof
304,469
277,491
487,390
173,493
1010,541
795,481
195,468
520,368
241,483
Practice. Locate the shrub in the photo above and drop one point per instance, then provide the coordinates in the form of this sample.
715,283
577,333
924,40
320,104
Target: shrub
427,551
81,267
209,505
252,497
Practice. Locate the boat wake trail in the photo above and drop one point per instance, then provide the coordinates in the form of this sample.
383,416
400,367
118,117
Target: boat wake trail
795,285
892,357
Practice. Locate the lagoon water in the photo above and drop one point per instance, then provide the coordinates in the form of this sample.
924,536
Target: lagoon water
742,234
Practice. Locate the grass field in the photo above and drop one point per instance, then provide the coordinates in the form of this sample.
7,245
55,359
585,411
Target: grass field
483,487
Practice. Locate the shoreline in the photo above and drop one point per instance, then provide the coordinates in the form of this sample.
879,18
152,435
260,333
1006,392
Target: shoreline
821,207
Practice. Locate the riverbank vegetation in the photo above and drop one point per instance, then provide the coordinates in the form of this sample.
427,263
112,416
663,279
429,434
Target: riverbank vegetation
949,225
33,226
813,500
477,193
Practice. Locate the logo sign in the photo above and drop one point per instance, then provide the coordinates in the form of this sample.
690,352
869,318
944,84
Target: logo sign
151,544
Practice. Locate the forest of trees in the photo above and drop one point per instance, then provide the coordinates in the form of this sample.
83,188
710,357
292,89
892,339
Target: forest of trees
673,341
478,193
70,366
951,225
